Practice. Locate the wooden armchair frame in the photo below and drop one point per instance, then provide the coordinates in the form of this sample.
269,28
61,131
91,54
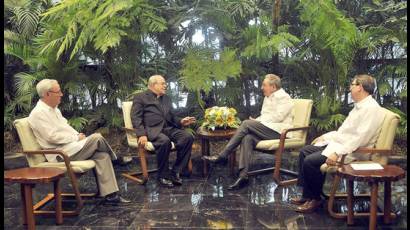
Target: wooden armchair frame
74,182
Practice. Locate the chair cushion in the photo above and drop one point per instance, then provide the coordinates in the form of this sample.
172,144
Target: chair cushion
77,166
274,144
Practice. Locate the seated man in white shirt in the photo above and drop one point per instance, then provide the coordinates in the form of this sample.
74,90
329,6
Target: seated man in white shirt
276,115
360,129
53,132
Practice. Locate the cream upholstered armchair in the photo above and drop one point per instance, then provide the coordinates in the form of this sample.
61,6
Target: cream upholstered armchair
301,116
132,140
383,148
35,157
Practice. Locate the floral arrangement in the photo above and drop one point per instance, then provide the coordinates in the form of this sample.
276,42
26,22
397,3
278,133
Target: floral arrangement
220,117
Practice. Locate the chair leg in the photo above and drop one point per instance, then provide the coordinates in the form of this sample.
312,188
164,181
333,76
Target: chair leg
278,161
144,168
332,195
277,170
58,197
74,183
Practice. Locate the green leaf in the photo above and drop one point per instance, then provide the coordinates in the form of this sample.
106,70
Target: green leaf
78,123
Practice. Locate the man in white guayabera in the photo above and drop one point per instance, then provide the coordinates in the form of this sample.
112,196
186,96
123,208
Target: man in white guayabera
360,129
276,115
53,132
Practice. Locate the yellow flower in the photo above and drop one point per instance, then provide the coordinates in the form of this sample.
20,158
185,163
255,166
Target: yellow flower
230,120
232,111
219,121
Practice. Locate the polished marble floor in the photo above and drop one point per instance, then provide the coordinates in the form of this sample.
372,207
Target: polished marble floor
201,202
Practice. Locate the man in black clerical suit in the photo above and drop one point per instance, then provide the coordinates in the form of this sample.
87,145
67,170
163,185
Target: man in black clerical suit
154,121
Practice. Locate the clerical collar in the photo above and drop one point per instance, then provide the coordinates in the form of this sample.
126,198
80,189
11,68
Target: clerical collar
156,96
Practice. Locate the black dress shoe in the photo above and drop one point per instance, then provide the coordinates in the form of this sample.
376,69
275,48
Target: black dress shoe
115,199
239,183
215,159
176,180
165,182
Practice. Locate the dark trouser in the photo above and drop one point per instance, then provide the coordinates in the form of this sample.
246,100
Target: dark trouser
248,135
183,144
310,177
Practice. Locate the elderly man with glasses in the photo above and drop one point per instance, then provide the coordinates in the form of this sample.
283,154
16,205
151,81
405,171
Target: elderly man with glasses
154,121
53,132
360,129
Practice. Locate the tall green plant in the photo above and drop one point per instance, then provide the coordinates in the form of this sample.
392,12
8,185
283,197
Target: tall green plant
201,69
100,23
327,114
331,34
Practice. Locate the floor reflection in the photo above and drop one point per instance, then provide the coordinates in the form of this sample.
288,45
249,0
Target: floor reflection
202,202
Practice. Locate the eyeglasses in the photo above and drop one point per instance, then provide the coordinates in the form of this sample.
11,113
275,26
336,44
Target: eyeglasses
59,92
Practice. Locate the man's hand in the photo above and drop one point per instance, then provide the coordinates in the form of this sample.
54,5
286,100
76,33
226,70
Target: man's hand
187,121
81,136
332,159
317,139
142,140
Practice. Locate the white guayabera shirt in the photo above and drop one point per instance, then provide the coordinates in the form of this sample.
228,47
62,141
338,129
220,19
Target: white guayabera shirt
360,129
53,132
276,111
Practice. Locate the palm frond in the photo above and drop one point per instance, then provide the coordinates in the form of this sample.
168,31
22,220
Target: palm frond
25,83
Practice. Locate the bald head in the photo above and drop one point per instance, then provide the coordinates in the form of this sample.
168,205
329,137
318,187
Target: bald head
157,84
154,79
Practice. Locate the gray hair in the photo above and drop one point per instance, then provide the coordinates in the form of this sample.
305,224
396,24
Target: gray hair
44,86
274,80
368,82
154,79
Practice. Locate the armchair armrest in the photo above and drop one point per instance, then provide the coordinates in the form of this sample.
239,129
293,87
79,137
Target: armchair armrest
285,132
130,131
50,151
364,150
373,150
294,129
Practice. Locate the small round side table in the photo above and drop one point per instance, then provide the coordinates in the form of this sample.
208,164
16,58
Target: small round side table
28,178
388,174
217,135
